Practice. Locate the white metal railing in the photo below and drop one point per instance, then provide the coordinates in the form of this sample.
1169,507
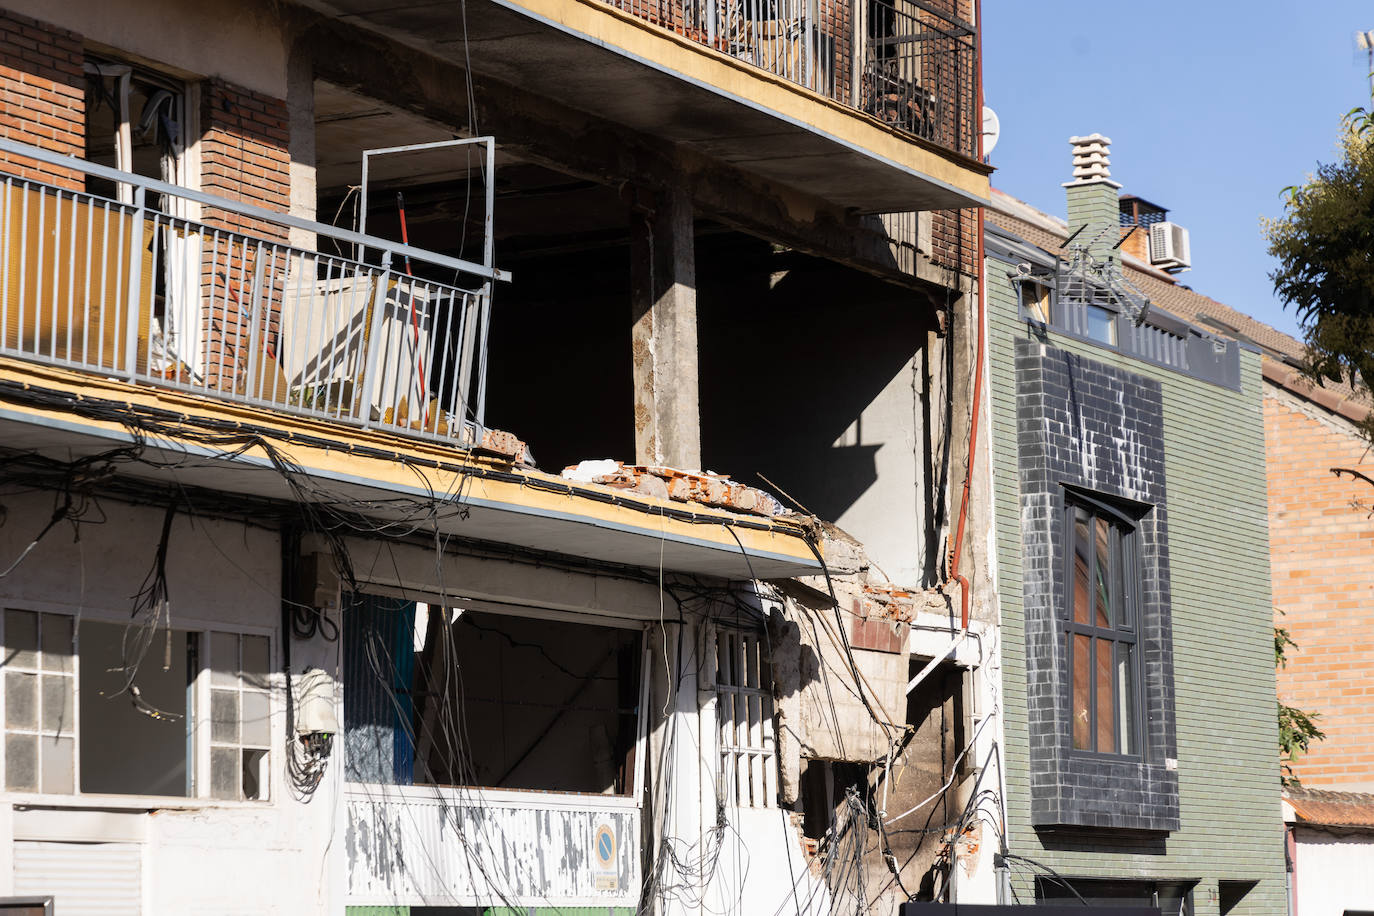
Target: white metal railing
226,306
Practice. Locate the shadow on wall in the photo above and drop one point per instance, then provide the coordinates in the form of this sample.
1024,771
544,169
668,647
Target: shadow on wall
794,350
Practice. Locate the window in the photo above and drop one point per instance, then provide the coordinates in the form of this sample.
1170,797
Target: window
180,729
463,697
240,722
1101,627
1101,324
1035,300
743,682
39,689
135,122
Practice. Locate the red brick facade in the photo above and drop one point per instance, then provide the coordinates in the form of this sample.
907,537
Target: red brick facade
244,157
43,91
954,240
243,153
1322,554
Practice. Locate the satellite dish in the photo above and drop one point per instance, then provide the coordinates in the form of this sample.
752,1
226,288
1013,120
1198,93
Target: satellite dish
992,129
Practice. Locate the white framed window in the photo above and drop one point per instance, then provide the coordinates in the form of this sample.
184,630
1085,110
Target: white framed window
741,676
194,721
40,691
240,716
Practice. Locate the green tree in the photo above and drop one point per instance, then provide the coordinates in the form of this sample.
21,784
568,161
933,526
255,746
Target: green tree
1324,243
1297,729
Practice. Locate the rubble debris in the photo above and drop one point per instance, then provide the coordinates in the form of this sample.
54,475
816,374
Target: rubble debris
705,487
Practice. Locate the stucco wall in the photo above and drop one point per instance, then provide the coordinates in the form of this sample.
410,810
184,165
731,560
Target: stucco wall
1223,675
269,856
1333,873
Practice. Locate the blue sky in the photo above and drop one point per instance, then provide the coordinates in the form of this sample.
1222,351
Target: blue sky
1213,107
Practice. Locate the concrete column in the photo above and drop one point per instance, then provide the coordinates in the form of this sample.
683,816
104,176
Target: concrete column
300,112
663,338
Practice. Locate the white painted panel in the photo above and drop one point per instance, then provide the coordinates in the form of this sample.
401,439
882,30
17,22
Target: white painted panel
1335,873
85,879
445,847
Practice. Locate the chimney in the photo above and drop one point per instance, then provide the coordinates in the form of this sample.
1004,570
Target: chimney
1093,203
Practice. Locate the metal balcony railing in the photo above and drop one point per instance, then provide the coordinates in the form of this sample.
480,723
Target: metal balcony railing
911,64
224,305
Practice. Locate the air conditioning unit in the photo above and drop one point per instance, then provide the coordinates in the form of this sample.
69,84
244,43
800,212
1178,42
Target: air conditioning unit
1169,247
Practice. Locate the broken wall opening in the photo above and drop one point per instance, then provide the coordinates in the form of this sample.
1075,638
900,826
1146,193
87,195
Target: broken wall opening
460,697
854,812
817,377
558,352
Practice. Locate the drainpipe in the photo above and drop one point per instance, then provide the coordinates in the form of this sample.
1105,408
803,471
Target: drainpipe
954,574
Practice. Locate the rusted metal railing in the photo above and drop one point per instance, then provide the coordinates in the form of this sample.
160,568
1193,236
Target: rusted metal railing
911,64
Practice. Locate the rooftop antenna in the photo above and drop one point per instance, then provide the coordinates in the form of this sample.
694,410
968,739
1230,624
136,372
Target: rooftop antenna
1365,42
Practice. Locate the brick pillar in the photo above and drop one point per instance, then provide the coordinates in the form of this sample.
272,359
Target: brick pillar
43,90
244,157
664,334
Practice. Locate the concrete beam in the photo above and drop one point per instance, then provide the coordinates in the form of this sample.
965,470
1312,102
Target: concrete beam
663,336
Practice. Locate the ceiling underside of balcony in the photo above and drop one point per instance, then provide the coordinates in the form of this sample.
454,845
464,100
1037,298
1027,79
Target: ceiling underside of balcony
674,90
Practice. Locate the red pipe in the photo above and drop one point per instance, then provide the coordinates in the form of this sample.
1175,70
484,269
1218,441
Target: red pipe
415,322
954,574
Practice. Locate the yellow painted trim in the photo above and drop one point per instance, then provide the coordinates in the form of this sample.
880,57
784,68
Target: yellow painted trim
601,22
784,539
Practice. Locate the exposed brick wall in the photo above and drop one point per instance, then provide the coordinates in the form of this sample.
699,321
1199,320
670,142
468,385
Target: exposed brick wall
953,240
1322,556
243,153
43,91
244,157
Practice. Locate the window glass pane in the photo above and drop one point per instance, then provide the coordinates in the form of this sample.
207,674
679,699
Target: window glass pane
57,705
1101,324
1104,572
224,772
57,642
1035,302
256,728
255,662
21,763
254,774
1125,691
224,716
1123,578
1082,564
122,750
1106,732
59,769
21,700
224,659
21,639
1082,691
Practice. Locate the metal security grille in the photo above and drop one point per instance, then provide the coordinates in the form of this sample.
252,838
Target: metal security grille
743,682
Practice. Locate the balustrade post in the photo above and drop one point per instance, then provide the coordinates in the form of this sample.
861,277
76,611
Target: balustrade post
374,332
134,305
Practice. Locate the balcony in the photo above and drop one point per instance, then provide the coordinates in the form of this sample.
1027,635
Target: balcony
868,105
482,846
224,305
907,63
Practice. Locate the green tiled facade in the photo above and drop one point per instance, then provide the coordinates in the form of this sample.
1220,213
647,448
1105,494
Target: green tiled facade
1224,681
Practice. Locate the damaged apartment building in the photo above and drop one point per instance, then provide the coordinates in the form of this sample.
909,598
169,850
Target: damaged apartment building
504,456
